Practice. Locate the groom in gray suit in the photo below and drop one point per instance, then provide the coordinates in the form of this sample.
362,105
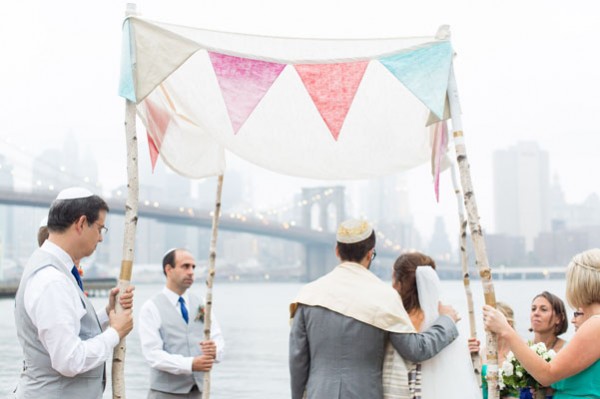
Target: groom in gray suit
343,321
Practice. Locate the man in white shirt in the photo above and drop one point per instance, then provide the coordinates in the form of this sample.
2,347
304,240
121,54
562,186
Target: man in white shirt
171,328
65,342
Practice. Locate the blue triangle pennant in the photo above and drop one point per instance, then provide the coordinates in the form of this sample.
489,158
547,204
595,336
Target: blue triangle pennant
424,71
126,86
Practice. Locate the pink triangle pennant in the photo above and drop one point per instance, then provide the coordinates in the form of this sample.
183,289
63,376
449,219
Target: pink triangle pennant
244,82
153,150
158,121
440,143
332,88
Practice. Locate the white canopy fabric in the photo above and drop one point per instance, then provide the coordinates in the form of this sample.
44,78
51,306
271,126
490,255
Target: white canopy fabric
316,108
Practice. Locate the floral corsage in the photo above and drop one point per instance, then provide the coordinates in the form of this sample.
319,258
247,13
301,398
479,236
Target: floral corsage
200,314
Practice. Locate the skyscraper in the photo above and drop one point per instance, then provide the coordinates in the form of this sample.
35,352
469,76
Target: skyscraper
521,191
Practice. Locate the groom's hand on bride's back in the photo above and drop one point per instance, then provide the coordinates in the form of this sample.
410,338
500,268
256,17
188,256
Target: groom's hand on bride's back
449,311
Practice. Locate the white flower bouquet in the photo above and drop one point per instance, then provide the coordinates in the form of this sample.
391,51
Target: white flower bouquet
513,375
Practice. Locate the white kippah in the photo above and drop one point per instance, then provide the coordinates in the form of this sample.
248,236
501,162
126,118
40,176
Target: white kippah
44,221
74,193
169,250
353,231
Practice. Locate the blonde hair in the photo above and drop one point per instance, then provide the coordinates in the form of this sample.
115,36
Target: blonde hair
507,311
583,279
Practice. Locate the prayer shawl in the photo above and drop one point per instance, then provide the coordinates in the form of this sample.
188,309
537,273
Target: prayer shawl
354,291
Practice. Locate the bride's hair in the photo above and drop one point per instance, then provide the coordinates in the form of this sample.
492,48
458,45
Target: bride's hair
405,269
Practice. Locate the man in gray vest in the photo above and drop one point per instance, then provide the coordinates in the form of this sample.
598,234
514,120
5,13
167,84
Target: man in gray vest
171,328
342,322
64,345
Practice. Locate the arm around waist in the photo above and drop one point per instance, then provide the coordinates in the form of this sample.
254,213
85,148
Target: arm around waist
417,347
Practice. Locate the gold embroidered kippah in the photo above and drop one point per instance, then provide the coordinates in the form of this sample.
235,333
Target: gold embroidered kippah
353,231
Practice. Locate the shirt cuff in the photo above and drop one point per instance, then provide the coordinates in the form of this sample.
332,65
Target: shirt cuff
112,337
188,361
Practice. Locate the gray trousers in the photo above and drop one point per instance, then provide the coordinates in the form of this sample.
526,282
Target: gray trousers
193,394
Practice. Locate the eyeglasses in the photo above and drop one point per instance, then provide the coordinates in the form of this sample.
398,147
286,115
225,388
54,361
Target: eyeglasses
374,254
577,314
102,229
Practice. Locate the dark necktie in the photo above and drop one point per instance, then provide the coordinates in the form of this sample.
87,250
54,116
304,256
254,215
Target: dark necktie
75,273
184,311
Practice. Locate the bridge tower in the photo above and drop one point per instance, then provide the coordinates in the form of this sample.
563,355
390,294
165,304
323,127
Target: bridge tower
325,210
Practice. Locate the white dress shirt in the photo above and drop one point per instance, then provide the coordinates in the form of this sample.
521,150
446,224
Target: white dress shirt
52,302
149,323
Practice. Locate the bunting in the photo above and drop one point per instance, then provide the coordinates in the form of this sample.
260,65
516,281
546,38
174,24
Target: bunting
157,123
440,146
206,87
424,71
126,84
166,49
153,149
332,88
243,84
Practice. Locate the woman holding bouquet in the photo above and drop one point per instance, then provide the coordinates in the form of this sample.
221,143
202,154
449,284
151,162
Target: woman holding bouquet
548,319
574,372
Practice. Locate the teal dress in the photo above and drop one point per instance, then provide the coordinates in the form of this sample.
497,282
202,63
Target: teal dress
585,384
484,386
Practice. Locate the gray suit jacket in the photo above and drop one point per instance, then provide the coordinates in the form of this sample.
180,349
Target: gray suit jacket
334,356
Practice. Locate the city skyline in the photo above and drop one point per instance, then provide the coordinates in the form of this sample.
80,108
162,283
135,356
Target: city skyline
385,203
381,198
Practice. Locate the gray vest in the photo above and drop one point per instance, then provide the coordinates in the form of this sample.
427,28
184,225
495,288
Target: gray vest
178,338
38,379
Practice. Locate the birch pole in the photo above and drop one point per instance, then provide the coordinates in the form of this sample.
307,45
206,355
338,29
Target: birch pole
464,260
131,218
212,257
476,233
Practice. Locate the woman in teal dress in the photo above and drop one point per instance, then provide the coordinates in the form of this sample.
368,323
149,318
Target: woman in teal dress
575,371
585,384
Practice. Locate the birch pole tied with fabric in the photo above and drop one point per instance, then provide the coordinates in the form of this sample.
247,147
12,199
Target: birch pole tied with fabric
212,257
485,272
464,260
131,218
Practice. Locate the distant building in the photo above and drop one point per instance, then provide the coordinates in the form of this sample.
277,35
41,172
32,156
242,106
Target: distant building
386,204
584,214
503,249
386,200
556,248
56,169
439,246
521,191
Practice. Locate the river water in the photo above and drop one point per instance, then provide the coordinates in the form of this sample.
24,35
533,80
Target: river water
255,323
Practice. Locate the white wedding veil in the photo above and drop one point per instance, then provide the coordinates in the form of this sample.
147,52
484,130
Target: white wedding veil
449,374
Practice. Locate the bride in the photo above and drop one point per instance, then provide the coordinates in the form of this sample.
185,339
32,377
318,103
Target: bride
449,374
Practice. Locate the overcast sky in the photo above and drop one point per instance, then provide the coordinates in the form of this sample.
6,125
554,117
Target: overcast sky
526,70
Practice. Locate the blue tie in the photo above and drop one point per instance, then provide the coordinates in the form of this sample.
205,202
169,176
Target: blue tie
75,274
184,311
